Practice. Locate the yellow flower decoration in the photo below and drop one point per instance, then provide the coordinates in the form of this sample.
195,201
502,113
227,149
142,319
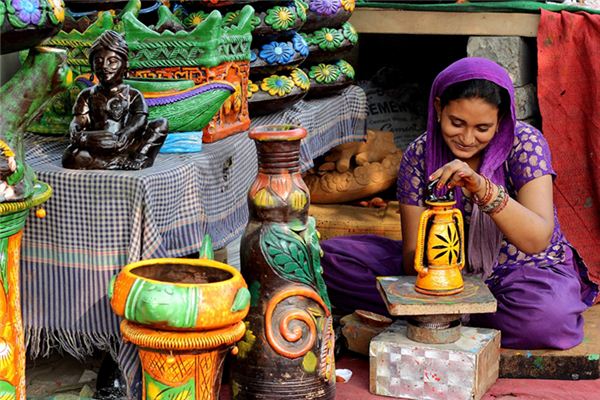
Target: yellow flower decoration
349,5
300,79
58,8
277,85
252,88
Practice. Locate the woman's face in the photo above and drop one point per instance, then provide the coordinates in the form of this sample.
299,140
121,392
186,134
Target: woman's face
467,126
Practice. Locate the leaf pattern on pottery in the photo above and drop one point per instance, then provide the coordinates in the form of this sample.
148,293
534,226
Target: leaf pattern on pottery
324,73
7,391
156,390
281,18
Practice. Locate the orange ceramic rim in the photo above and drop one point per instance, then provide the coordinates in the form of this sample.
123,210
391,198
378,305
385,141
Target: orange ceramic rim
277,132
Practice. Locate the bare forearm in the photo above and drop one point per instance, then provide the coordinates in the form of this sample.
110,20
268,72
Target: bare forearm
528,231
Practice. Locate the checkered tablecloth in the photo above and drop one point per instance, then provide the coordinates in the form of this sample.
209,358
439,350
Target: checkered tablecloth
98,221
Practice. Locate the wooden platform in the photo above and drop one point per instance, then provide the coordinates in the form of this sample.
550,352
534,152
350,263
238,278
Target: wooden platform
580,362
384,20
341,220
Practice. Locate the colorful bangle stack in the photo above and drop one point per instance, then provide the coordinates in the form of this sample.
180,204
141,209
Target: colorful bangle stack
486,204
498,204
487,197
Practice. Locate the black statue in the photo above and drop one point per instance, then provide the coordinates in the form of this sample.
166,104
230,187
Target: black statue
110,127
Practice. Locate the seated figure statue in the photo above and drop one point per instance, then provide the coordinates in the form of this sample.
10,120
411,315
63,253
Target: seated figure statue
110,127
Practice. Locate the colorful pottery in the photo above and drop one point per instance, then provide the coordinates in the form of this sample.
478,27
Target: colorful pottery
327,13
328,79
287,351
26,23
184,315
330,43
440,252
277,92
12,344
283,53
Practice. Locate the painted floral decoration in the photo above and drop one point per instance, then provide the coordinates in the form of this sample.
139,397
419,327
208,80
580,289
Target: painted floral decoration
26,12
194,19
2,12
277,52
252,88
58,11
277,85
326,7
233,18
300,45
350,33
349,5
281,18
300,79
346,68
324,73
328,39
301,8
234,102
253,56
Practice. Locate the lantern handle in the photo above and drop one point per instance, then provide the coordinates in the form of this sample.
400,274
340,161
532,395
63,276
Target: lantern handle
433,197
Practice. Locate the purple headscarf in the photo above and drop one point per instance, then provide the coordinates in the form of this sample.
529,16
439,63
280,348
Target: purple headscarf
484,237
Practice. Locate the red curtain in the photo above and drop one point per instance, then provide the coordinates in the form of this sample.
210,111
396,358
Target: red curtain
569,98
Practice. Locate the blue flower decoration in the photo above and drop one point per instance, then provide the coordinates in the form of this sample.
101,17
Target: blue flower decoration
277,53
300,45
252,56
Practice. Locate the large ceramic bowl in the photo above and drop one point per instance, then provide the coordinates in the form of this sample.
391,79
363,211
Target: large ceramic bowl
180,294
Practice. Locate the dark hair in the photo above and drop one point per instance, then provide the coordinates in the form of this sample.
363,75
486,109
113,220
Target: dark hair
110,40
478,88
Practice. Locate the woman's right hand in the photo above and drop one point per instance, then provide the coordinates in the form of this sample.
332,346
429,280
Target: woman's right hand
459,173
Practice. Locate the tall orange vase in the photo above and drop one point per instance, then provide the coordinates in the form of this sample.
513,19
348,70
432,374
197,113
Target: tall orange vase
12,345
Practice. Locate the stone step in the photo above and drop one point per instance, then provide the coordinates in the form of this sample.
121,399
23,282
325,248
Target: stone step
580,362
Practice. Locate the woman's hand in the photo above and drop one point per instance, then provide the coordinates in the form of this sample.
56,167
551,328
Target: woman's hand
458,173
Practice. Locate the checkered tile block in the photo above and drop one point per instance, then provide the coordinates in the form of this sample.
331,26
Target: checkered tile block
465,369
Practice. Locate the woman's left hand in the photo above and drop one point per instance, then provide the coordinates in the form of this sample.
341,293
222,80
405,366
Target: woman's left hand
458,173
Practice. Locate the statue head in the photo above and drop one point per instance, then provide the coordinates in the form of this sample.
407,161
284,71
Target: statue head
109,58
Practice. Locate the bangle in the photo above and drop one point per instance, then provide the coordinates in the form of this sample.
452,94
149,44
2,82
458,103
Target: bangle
488,193
501,206
498,203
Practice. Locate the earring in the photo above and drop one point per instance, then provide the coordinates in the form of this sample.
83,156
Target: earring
438,119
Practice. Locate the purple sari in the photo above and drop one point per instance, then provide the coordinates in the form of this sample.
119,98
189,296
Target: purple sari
540,296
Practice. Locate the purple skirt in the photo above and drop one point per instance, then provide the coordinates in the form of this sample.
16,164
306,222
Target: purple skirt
537,307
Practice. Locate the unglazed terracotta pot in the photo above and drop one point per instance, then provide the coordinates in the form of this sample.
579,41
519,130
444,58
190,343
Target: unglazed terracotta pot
12,345
287,351
184,315
440,252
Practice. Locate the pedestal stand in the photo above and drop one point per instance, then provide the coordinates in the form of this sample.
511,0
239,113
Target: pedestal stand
430,355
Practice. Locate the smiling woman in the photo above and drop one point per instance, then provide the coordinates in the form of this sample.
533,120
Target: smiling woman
501,172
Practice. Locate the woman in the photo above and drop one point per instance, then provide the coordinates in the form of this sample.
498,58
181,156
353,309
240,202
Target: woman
502,176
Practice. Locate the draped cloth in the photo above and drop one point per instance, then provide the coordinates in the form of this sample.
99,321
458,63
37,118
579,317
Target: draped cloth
569,99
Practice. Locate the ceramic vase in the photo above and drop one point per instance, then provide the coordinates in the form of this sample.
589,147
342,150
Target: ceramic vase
287,351
12,345
185,316
440,252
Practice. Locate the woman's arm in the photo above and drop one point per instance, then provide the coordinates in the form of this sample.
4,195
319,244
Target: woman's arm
527,221
410,216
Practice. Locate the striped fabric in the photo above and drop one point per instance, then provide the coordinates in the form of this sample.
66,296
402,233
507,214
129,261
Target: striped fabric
98,221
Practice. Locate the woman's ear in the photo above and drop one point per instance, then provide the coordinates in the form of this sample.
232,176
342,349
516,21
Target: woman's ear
438,108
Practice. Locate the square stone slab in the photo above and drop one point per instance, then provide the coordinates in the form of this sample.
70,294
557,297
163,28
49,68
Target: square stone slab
401,298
